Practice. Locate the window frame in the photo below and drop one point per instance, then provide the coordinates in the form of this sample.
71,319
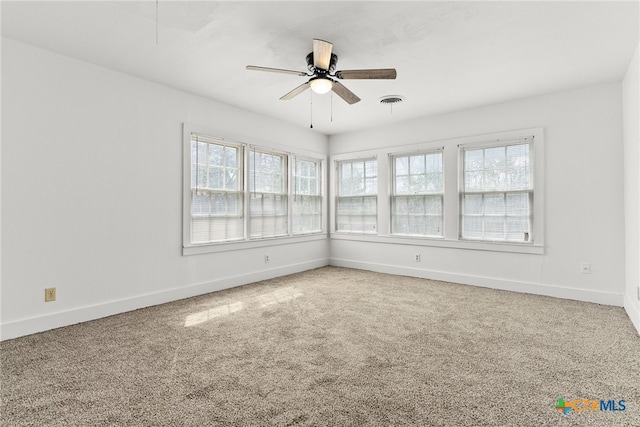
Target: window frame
530,236
282,193
316,194
393,194
206,219
338,196
247,242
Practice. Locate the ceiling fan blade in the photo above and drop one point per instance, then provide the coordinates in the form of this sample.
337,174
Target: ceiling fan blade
322,54
378,73
276,70
344,93
296,91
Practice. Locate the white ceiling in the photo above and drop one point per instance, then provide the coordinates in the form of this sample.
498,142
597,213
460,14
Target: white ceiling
450,55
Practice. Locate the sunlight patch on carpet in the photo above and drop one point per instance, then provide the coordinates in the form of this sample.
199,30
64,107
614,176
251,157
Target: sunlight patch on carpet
267,299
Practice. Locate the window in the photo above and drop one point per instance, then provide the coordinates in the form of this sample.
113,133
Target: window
216,190
307,196
477,192
241,194
356,204
497,191
417,194
268,186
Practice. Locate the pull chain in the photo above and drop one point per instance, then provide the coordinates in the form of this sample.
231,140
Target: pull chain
311,110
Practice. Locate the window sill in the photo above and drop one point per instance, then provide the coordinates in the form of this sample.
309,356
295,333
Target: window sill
524,248
249,244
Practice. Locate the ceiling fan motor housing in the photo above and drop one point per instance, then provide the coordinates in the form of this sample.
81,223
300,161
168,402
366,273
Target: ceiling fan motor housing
332,64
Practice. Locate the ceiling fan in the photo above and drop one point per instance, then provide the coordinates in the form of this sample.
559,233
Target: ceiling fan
321,64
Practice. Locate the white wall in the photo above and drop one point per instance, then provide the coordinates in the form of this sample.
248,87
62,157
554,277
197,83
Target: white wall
92,193
631,114
583,198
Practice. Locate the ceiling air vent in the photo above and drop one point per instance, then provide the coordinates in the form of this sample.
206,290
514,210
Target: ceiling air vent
390,100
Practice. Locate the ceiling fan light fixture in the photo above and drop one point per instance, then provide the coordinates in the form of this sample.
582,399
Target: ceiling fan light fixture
321,85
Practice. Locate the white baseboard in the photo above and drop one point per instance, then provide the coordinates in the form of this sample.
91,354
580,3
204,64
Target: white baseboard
33,325
599,297
632,312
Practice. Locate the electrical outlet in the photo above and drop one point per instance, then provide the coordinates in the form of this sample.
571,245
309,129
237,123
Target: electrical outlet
49,294
266,259
417,257
585,268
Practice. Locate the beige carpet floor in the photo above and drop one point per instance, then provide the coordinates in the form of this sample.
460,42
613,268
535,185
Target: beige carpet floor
330,347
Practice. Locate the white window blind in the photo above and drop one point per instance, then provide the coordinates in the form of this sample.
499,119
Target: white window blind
356,207
417,194
497,191
268,210
216,190
307,197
